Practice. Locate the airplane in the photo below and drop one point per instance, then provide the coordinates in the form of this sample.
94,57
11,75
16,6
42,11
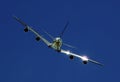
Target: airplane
57,43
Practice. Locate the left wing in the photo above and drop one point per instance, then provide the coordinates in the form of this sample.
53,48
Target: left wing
85,59
32,30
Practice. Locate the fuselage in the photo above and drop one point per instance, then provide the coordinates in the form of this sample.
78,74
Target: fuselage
57,43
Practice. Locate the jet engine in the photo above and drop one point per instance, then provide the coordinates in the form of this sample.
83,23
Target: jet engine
37,38
26,29
85,62
71,56
85,59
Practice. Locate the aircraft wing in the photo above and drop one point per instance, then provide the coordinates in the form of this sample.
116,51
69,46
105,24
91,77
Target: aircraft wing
83,58
32,30
95,62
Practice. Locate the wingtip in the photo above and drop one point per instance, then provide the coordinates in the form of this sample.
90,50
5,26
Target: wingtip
95,62
101,64
15,17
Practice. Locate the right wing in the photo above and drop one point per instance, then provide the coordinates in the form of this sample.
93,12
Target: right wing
83,58
32,30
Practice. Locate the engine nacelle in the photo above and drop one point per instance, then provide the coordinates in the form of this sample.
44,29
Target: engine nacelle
85,62
37,38
26,29
71,56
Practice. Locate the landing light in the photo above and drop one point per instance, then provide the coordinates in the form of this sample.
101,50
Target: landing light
68,52
85,58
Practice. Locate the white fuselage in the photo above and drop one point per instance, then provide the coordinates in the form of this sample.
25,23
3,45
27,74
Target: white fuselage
57,43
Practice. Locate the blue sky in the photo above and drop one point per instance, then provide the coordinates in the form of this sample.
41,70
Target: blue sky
94,29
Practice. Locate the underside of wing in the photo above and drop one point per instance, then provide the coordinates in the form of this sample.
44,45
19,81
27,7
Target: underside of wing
95,62
38,35
85,59
28,28
21,22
